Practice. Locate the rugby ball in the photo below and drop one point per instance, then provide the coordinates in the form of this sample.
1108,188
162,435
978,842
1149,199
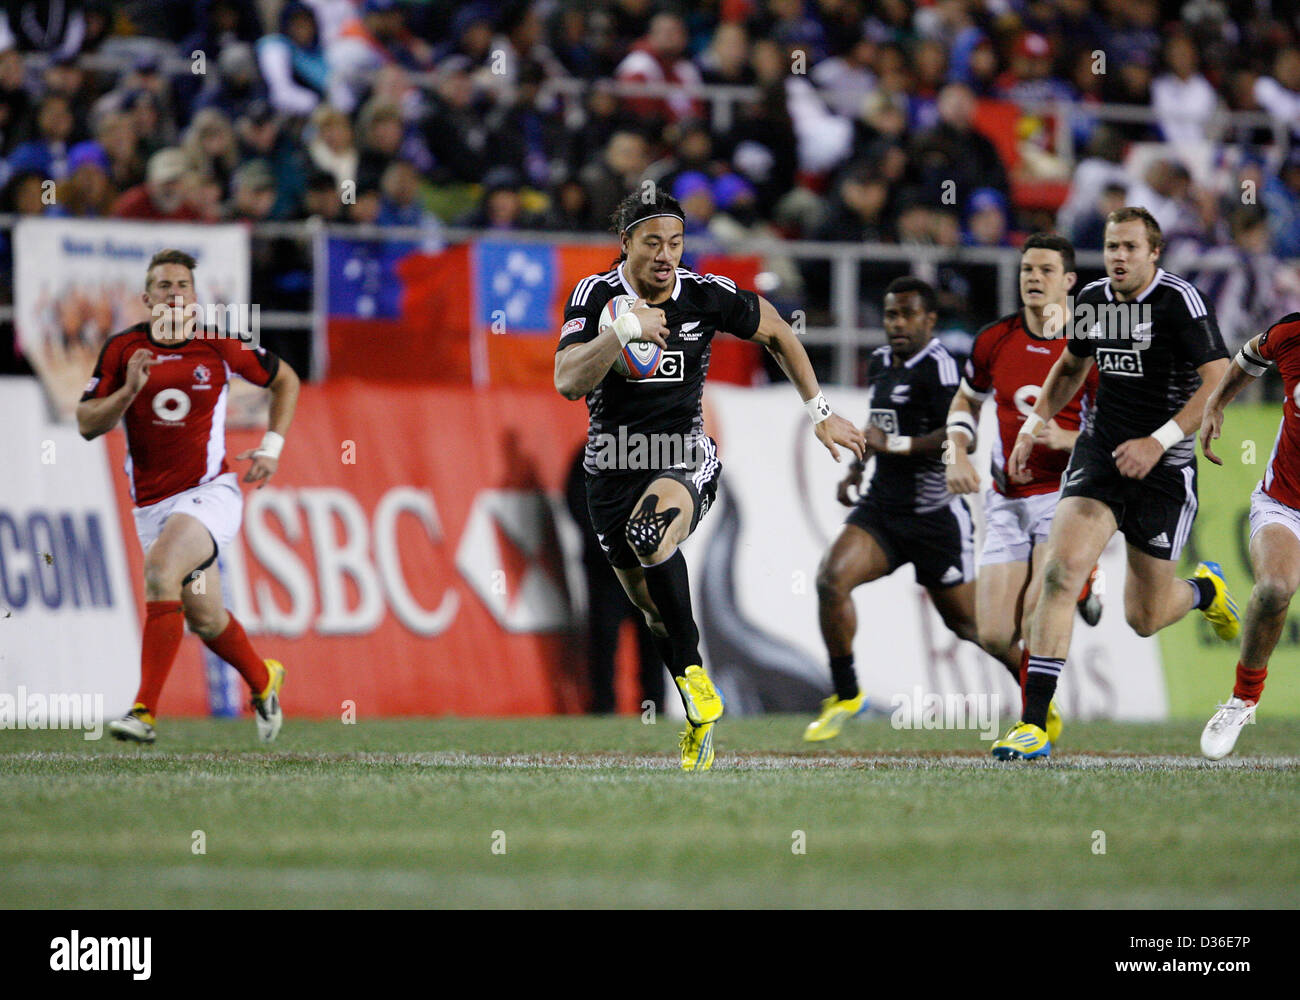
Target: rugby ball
639,359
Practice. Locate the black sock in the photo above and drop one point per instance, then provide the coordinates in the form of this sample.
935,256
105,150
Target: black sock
670,589
1204,592
844,677
664,648
1040,685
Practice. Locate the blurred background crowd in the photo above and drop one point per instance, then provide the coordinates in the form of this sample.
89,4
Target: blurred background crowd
946,123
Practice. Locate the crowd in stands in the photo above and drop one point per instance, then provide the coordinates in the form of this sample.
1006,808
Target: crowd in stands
864,121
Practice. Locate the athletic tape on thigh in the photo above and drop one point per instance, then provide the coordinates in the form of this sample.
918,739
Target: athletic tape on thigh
647,527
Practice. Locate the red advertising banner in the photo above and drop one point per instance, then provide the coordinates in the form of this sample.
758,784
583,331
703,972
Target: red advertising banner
406,556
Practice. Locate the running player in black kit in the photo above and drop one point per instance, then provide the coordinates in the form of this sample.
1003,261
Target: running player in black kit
651,471
906,514
1159,354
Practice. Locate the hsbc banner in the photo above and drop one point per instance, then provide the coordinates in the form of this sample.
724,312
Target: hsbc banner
69,638
413,557
78,281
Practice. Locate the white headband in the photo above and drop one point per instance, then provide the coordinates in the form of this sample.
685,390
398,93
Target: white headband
661,215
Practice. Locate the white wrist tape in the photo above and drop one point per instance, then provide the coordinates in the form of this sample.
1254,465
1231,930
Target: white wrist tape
899,444
1169,434
271,446
818,409
627,327
962,423
1032,423
1250,365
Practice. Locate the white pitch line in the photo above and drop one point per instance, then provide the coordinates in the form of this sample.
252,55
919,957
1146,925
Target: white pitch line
728,762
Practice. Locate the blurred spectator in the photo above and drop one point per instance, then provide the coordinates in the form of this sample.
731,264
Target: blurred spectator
237,84
611,178
263,135
1089,229
726,61
660,57
399,203
252,192
88,192
954,151
524,136
1182,98
63,77
1131,85
1165,190
1101,166
1282,200
47,152
1137,38
153,130
1279,94
501,206
56,28
691,147
210,144
454,130
206,195
116,134
1030,79
787,24
24,194
379,126
762,146
571,212
847,80
930,71
823,140
375,38
518,51
986,220
694,191
161,196
15,101
321,197
221,23
603,115
331,147
365,210
470,35
293,62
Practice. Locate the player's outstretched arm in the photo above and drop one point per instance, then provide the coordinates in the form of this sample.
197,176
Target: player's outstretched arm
1243,371
1062,384
99,416
775,334
284,401
580,367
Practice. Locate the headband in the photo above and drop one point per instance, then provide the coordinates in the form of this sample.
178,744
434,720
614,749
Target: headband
661,215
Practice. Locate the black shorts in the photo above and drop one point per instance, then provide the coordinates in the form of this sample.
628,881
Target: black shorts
611,499
1155,514
940,545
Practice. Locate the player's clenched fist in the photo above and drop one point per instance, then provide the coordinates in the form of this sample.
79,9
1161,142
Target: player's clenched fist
1018,462
961,475
654,323
851,484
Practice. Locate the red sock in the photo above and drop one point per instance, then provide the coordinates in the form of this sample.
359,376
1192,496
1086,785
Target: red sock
163,626
233,646
1024,675
1250,683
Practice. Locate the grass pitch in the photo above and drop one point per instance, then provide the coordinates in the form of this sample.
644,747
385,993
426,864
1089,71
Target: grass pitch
579,812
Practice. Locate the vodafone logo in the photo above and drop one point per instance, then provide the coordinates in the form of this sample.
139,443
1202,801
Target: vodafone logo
353,572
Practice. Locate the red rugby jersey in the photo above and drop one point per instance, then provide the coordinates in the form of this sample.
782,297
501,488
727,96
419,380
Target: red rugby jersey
1011,363
1280,345
176,426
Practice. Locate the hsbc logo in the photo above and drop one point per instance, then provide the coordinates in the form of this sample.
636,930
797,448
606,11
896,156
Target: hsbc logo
1116,362
672,368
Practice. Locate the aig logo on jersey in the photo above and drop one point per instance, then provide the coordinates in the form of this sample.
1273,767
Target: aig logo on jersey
672,367
886,420
1111,361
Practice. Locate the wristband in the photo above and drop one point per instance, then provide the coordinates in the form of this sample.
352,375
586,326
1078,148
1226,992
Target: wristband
271,446
1168,435
1031,424
627,327
899,444
962,423
818,409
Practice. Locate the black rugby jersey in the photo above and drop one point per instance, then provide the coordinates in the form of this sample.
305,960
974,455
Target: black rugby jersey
912,400
1147,353
669,402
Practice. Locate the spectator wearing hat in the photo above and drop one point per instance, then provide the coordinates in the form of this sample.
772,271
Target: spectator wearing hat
237,84
252,192
320,199
1030,79
987,224
88,191
292,62
161,197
